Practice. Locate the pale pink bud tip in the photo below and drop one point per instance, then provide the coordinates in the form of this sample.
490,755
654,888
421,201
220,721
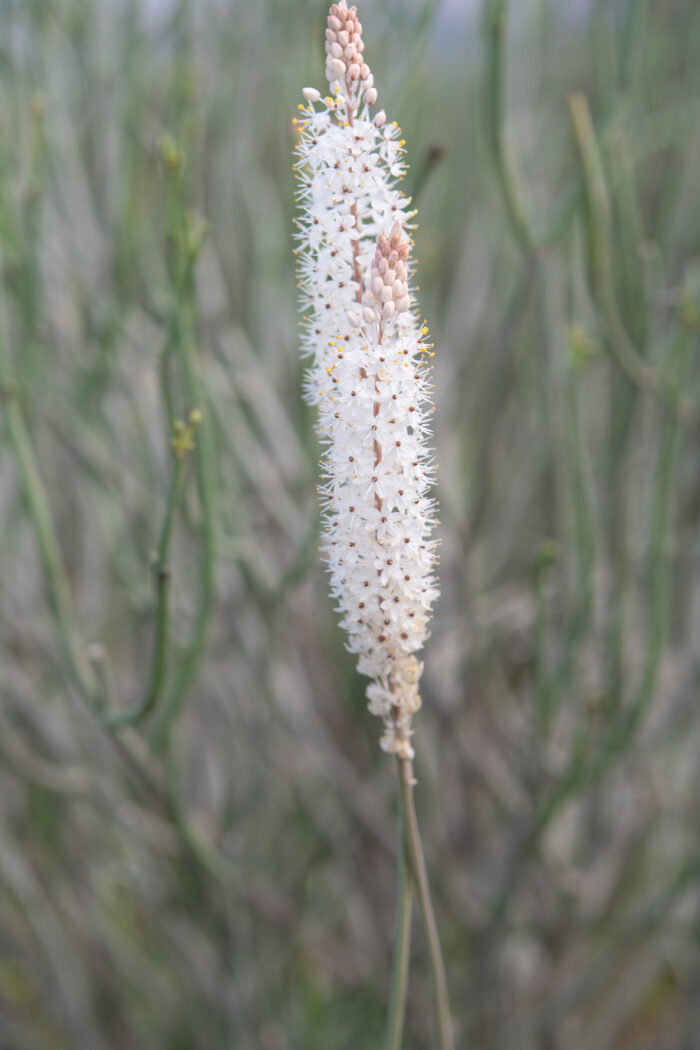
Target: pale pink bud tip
335,69
387,290
371,96
311,94
344,44
380,119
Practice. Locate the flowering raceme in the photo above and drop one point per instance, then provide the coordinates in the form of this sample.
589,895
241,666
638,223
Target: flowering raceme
368,377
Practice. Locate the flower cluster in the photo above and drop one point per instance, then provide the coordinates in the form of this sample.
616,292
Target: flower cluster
368,377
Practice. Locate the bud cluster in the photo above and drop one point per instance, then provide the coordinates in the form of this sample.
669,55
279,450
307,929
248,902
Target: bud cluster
387,290
344,62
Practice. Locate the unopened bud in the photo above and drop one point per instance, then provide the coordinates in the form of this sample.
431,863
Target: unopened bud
354,318
380,119
371,96
335,69
170,153
311,94
368,315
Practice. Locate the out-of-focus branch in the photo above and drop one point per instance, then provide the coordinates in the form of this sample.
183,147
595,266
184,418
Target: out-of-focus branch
55,574
496,18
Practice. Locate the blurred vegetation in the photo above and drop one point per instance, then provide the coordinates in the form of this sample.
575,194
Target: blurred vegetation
196,823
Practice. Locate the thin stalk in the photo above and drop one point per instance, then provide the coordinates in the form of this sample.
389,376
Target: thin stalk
204,455
55,574
494,101
583,772
181,264
624,351
402,942
425,904
161,571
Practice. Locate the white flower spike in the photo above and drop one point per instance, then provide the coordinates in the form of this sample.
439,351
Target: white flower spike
368,378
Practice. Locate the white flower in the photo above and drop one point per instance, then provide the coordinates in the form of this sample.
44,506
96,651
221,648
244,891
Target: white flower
368,378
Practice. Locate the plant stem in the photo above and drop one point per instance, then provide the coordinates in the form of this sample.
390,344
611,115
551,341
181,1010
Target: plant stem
162,577
402,941
183,341
52,564
425,904
624,351
494,102
204,455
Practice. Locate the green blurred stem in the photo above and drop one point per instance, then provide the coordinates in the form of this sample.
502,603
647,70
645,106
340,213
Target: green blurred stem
586,771
585,547
55,575
204,459
494,101
425,904
402,941
161,571
624,351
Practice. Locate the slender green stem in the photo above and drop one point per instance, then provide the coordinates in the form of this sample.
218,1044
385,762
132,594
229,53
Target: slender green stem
425,904
54,570
586,770
402,941
494,102
162,577
204,455
624,350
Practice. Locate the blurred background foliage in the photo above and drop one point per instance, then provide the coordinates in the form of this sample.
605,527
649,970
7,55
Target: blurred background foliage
196,823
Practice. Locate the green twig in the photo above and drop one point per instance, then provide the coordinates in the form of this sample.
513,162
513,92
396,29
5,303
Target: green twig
425,904
494,102
161,571
642,374
55,574
402,942
585,771
184,254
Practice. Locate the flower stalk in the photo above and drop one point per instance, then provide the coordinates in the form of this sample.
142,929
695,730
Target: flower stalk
370,381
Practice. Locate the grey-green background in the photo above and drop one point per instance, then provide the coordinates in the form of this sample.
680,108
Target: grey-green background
222,874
